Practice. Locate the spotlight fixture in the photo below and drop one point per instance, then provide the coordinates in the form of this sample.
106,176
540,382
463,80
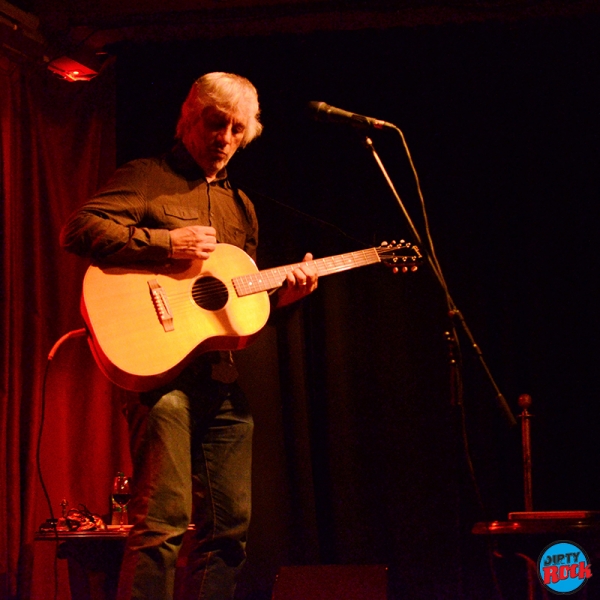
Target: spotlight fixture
21,40
73,70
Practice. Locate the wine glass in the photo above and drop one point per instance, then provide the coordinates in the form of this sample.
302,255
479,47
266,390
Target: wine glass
121,494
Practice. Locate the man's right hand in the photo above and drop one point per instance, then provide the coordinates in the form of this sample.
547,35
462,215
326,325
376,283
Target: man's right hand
196,241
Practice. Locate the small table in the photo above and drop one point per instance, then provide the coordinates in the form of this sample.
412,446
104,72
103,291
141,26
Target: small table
93,558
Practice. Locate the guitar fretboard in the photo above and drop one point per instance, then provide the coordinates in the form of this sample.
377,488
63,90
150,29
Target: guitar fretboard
269,279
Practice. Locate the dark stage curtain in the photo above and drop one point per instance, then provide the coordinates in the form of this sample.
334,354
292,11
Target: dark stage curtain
57,145
355,448
503,125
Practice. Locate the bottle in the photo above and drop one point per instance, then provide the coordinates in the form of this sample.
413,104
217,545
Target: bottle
62,523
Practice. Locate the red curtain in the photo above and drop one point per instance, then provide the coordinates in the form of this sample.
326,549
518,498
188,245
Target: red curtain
57,145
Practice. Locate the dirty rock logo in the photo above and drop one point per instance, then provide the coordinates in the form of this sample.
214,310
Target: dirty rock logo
564,567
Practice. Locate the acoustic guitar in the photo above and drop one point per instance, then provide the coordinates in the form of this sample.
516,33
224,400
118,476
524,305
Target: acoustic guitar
146,323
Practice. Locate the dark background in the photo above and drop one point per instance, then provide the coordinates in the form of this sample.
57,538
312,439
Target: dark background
502,122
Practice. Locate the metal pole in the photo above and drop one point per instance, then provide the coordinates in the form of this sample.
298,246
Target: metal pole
525,403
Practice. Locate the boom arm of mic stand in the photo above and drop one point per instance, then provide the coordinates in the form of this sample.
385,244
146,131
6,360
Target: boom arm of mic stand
452,309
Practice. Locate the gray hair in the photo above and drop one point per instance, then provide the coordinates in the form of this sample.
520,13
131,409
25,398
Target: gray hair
224,91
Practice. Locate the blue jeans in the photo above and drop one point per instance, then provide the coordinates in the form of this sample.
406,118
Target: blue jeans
191,447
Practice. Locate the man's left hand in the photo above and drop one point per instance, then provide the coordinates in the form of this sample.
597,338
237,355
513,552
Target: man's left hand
303,280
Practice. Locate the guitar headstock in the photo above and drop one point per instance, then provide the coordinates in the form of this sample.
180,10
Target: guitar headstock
400,256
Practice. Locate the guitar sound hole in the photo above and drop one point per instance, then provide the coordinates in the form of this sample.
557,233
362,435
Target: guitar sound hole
210,293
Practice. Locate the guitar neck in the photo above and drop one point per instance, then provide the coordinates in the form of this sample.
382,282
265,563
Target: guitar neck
273,278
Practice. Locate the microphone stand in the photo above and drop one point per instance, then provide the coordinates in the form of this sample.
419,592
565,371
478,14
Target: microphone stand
453,311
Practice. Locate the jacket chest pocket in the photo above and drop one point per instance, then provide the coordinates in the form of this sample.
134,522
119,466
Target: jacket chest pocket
180,216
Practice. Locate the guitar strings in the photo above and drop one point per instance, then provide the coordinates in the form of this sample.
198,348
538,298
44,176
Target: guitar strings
275,277
215,288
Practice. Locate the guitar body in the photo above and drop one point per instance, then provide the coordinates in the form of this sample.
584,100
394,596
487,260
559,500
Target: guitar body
147,324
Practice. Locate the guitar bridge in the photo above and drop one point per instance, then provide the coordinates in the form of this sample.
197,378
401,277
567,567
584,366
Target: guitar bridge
161,304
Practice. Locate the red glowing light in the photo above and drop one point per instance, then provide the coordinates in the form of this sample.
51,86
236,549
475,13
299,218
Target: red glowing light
71,70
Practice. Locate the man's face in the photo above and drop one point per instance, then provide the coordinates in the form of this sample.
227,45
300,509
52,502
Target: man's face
214,139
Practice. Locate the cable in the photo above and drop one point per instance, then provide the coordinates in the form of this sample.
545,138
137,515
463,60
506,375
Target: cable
434,264
454,313
307,217
64,338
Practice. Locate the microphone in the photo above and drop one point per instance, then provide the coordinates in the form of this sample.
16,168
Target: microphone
324,112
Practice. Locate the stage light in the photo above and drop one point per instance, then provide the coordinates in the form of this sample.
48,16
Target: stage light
20,38
73,70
